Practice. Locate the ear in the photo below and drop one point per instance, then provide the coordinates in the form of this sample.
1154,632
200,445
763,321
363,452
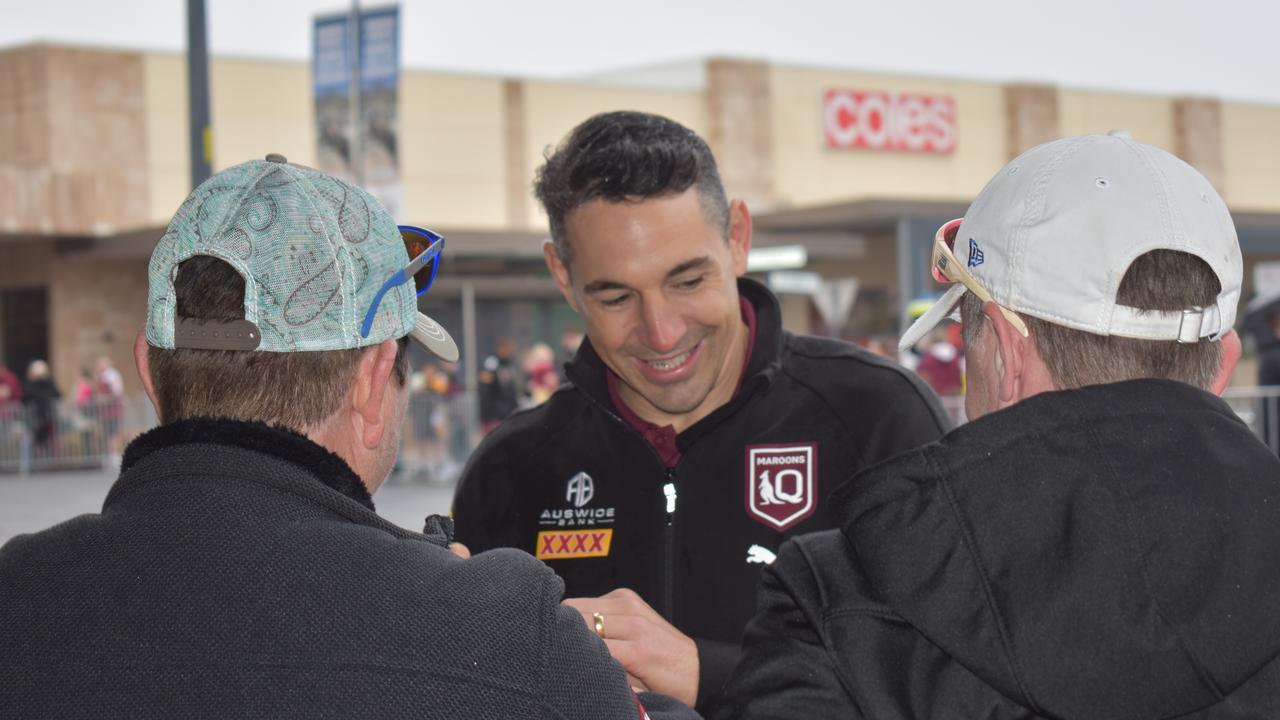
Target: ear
739,235
373,379
1010,356
1230,356
143,362
559,273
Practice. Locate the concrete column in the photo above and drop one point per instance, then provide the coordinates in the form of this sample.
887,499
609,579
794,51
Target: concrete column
514,158
740,129
1197,136
1031,117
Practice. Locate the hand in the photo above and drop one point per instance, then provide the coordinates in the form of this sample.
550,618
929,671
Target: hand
656,656
460,550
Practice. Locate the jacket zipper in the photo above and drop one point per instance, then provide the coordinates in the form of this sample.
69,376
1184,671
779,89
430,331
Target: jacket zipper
666,593
669,545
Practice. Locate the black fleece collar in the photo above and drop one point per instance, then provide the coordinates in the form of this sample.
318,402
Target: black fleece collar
275,440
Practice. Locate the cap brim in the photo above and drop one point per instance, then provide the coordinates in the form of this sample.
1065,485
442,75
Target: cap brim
434,338
931,317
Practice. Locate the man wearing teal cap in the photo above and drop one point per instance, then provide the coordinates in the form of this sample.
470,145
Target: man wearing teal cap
238,567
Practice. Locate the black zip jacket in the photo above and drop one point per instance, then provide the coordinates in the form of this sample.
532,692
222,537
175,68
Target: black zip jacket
1104,553
574,484
239,571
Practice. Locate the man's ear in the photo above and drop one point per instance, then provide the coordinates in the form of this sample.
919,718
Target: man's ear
1230,356
739,236
1010,356
372,383
559,272
142,361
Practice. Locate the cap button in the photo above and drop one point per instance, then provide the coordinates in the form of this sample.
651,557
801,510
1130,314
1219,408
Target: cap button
276,158
1124,134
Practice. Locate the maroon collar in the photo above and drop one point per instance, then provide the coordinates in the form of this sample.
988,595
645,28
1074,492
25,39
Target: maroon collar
663,438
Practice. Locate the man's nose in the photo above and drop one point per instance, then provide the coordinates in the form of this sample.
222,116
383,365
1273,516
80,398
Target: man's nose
662,324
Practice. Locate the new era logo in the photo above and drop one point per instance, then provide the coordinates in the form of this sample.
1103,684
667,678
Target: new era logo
975,255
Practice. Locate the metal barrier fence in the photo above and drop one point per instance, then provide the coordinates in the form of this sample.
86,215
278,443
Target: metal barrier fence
65,435
438,436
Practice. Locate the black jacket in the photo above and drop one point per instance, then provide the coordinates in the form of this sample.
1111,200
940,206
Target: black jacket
238,570
1110,552
571,482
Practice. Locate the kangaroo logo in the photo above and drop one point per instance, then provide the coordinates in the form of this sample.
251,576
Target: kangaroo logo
976,256
781,483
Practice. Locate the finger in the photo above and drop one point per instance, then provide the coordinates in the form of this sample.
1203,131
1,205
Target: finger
636,685
460,550
587,616
604,606
633,602
626,627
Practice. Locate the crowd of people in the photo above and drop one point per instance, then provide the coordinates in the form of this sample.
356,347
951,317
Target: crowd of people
36,425
713,516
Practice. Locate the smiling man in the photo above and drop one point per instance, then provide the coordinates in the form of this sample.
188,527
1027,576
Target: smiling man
696,435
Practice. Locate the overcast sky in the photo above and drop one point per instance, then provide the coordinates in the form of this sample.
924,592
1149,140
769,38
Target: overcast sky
1219,48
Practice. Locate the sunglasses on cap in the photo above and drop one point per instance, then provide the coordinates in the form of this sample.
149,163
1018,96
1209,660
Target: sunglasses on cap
948,269
425,247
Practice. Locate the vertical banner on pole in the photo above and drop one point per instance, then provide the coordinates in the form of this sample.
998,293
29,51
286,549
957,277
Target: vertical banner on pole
332,60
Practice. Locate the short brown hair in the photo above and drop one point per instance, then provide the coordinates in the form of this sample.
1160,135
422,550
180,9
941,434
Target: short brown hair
1158,280
295,389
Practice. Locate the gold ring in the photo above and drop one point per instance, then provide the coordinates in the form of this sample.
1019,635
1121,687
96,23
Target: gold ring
599,622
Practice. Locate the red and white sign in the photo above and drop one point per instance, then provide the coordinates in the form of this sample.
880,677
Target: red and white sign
889,121
782,481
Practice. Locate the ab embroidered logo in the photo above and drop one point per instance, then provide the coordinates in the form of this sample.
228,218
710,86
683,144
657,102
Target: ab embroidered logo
781,483
976,256
580,490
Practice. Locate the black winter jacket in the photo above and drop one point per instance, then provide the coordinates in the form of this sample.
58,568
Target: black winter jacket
1104,553
238,570
574,484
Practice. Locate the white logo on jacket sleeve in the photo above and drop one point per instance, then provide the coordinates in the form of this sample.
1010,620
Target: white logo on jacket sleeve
781,483
580,490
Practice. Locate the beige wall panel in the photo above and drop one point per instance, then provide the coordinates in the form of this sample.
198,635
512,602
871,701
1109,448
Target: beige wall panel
1148,119
74,156
96,307
260,107
451,150
810,173
556,108
166,118
1251,156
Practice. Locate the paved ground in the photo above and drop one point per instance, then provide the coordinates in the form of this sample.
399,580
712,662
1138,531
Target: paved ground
36,501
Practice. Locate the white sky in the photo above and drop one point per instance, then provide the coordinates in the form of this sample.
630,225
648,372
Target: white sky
1218,48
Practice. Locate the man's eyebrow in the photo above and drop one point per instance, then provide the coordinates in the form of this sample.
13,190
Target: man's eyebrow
596,286
602,285
687,265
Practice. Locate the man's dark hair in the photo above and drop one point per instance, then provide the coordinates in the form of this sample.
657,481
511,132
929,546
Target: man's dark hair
296,389
627,157
1158,280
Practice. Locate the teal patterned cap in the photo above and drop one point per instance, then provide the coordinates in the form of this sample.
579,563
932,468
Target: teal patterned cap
313,251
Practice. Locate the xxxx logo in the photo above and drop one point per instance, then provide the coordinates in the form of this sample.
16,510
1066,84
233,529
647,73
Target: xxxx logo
567,544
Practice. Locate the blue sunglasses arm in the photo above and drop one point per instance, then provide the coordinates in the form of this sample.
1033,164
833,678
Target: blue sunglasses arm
399,278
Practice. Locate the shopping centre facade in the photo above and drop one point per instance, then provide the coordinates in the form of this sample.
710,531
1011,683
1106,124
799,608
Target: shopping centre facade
857,168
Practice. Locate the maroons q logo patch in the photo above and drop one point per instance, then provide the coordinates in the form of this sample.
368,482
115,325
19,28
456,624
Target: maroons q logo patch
781,483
